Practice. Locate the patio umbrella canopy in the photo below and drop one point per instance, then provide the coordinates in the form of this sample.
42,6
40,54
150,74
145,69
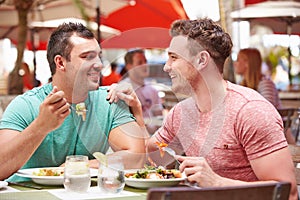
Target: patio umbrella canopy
43,30
146,13
147,37
44,13
143,24
281,16
56,9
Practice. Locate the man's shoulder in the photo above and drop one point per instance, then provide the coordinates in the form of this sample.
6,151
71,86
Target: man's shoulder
99,95
241,92
34,95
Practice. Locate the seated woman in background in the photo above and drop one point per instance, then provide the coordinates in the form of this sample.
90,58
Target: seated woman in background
248,65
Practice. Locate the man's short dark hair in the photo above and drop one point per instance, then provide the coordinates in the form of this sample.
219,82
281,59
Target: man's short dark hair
60,44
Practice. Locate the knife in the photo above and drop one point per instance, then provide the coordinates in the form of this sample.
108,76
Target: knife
25,185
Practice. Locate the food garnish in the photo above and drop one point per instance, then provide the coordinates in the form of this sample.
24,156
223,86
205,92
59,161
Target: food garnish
150,172
81,110
101,158
49,172
160,146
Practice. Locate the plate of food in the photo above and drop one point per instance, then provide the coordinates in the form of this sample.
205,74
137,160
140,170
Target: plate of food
153,177
48,175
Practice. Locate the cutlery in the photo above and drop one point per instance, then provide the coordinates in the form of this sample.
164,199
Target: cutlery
26,185
171,152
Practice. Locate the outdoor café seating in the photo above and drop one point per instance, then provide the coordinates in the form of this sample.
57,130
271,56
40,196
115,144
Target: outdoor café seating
290,115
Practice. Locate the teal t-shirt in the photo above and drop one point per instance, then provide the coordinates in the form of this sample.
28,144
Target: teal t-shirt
74,136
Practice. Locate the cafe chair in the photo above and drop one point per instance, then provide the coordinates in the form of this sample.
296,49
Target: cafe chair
260,191
295,153
288,115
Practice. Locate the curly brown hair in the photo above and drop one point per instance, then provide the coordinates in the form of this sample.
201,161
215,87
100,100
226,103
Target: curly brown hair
208,35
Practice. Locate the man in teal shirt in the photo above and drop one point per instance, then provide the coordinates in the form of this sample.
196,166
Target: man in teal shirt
41,127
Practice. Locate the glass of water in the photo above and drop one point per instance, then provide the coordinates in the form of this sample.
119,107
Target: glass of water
77,173
111,175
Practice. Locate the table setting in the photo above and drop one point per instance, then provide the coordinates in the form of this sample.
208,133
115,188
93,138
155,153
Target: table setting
77,181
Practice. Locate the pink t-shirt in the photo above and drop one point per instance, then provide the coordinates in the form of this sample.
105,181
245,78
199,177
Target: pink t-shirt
244,127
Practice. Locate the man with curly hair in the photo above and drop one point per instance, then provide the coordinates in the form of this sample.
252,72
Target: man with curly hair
230,134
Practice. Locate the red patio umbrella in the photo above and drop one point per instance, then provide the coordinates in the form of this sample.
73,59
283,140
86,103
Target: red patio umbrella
147,37
248,2
154,17
145,13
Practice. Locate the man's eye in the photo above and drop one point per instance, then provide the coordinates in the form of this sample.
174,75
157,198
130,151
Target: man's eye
173,57
90,56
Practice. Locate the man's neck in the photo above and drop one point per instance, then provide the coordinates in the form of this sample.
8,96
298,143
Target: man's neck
209,95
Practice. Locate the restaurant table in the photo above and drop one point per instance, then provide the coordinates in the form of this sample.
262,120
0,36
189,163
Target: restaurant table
46,193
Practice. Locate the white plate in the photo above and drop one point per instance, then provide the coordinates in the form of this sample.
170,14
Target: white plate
148,183
47,180
3,184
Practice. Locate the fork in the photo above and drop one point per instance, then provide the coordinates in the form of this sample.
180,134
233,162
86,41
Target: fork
171,152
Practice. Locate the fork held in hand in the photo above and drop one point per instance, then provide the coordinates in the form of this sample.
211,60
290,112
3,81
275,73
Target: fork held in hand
171,152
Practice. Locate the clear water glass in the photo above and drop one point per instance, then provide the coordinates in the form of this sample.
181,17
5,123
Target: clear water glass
77,176
111,175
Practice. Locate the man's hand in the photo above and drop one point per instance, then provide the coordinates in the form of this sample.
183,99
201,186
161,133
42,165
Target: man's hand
198,171
53,110
126,93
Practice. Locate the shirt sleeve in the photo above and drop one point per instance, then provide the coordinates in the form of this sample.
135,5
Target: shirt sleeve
121,114
167,132
18,115
260,129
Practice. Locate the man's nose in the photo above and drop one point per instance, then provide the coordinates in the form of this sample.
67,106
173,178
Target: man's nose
98,65
167,67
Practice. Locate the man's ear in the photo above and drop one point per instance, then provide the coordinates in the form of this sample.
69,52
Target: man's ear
59,61
202,59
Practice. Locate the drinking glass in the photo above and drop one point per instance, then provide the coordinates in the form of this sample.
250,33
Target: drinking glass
111,175
77,173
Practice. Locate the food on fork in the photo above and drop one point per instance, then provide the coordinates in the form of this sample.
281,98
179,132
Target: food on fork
49,172
81,110
160,146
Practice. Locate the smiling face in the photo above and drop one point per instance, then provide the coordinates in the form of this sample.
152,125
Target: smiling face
180,65
83,69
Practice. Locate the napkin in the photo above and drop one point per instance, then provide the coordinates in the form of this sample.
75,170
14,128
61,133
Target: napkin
92,193
8,189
